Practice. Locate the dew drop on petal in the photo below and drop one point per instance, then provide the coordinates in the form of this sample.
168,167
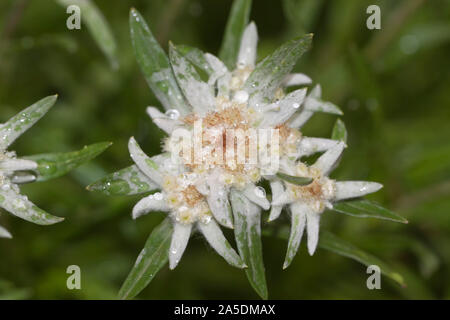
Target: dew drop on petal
158,196
260,192
296,105
173,114
241,96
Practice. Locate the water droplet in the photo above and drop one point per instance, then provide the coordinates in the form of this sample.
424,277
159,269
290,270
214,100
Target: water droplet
241,96
158,196
296,105
173,114
260,192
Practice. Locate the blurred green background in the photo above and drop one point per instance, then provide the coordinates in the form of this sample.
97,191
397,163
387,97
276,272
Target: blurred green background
393,85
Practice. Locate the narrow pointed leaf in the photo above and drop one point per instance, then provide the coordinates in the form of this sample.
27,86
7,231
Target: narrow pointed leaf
247,223
53,165
362,208
97,26
299,181
270,72
196,57
339,131
151,259
21,207
298,224
25,119
236,24
331,242
128,181
155,65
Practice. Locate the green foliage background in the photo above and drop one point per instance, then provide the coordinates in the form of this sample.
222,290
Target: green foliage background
392,84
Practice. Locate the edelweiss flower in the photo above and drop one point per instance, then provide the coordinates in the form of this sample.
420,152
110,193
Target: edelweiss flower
207,176
228,101
14,170
246,98
186,206
308,202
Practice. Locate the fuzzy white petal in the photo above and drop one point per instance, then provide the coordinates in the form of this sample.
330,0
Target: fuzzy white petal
162,121
257,196
312,229
218,202
218,67
296,79
249,42
328,160
143,161
286,108
180,239
19,205
317,105
153,202
309,146
17,164
5,233
354,189
217,240
20,178
282,200
300,118
223,85
298,223
277,192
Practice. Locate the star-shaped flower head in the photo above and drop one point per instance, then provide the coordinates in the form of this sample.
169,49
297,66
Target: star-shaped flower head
308,202
204,99
244,98
15,170
185,204
10,166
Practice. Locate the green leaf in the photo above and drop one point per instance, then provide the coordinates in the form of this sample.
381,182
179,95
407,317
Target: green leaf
155,65
270,72
97,26
24,120
339,131
128,181
196,57
362,208
302,14
299,181
236,24
151,259
331,242
247,223
53,165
